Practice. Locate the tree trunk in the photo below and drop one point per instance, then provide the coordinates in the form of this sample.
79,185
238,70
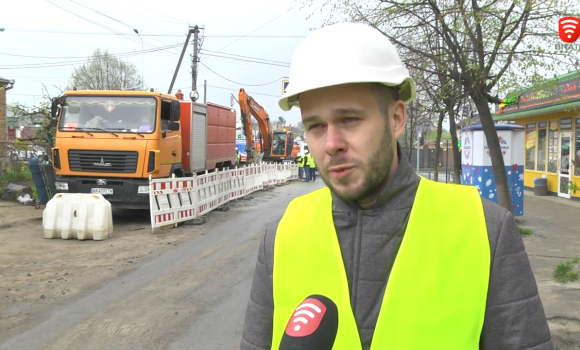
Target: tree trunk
456,154
501,183
410,135
437,143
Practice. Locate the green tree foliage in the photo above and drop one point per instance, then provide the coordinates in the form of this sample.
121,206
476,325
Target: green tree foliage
105,72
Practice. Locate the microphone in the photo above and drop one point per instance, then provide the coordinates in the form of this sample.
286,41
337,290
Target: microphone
313,325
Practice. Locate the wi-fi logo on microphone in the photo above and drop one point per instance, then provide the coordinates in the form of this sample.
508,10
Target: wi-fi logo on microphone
569,29
306,318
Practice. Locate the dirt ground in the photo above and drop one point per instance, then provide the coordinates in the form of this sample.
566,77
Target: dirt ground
555,238
37,272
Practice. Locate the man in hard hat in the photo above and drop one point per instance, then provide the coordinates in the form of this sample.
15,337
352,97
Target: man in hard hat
238,157
312,166
409,263
299,160
306,162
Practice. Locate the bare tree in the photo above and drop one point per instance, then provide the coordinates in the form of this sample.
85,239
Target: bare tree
105,72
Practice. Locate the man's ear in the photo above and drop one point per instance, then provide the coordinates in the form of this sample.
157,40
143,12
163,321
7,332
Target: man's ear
399,119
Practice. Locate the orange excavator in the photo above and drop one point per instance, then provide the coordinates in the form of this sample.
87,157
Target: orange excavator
274,146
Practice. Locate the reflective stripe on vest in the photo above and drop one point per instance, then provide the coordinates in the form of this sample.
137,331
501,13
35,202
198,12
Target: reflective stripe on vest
437,290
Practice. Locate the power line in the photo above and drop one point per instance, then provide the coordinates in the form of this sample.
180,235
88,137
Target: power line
221,76
252,61
114,19
75,62
129,53
253,58
95,23
156,12
42,31
142,15
260,27
225,88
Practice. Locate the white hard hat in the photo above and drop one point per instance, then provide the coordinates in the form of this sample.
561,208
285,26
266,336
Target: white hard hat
345,53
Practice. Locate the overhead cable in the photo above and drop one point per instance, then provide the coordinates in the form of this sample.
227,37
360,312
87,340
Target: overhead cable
235,82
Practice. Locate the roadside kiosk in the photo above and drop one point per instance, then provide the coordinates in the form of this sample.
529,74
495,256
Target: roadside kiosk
476,167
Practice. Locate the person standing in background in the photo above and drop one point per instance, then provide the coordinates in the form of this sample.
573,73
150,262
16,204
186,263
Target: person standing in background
299,160
307,165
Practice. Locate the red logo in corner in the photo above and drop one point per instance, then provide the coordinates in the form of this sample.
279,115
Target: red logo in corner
569,29
306,318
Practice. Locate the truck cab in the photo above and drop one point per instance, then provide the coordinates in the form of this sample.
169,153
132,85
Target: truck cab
108,142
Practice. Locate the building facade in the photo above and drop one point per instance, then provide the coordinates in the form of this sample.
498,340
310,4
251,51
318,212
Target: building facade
550,115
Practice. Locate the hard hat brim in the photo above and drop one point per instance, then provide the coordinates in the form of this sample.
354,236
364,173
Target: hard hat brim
407,91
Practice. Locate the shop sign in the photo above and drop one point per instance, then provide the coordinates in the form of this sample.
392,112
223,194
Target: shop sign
530,139
566,124
503,143
530,99
466,149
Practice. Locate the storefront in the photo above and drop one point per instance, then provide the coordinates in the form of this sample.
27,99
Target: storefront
551,118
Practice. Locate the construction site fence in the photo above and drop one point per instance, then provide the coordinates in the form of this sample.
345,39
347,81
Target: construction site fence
177,199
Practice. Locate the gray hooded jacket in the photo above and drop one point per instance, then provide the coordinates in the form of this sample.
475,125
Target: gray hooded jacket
369,239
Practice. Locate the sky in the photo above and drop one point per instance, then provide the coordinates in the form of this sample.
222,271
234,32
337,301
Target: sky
245,44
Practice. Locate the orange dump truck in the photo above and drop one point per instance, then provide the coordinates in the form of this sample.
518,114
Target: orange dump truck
108,142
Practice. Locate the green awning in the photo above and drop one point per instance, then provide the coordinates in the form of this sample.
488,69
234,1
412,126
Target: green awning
563,107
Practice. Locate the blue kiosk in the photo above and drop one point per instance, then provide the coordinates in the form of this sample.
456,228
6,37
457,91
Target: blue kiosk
476,167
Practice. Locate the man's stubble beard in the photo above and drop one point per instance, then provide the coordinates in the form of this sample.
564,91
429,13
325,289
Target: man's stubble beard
375,172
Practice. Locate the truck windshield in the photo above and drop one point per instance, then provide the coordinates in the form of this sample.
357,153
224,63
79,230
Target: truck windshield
109,114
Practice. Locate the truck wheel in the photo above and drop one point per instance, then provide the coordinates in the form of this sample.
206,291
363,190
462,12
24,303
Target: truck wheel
178,173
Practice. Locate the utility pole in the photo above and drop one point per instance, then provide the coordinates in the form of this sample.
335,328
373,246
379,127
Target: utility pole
204,91
194,94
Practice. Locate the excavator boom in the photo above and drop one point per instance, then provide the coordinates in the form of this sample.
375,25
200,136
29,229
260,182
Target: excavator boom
248,108
277,146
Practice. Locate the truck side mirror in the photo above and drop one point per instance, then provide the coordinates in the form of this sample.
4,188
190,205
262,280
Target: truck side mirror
175,113
53,108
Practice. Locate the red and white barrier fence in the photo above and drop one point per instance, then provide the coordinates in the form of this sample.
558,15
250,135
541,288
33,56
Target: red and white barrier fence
173,200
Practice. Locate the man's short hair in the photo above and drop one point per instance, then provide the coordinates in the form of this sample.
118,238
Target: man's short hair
385,96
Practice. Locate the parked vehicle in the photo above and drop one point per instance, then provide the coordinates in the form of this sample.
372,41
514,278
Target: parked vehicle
109,141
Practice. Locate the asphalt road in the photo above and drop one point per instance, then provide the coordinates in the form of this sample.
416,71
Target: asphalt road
192,296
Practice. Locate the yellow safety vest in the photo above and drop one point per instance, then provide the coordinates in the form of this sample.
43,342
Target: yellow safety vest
300,161
311,161
437,290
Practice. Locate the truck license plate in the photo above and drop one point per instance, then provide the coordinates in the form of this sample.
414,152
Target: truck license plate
102,190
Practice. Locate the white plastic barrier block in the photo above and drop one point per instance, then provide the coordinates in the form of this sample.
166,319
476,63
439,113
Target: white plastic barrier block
78,215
